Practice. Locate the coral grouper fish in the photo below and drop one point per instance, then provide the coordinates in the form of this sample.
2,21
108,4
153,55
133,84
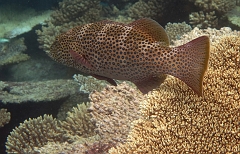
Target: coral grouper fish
138,52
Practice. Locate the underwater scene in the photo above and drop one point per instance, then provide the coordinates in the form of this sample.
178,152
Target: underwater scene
119,76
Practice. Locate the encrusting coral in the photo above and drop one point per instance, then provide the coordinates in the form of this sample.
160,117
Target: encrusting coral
4,117
113,109
177,121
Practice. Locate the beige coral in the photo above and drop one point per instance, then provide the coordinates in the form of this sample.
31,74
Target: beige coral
203,20
32,133
78,124
5,117
113,109
178,121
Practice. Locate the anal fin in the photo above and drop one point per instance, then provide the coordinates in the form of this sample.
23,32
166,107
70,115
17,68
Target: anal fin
149,83
109,80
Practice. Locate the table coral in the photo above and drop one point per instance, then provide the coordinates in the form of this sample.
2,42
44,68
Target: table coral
16,20
19,92
177,121
5,117
13,52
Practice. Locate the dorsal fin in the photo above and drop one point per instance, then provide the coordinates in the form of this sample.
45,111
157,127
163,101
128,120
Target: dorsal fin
152,28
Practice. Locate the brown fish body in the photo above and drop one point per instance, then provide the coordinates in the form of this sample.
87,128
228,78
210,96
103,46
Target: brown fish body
138,52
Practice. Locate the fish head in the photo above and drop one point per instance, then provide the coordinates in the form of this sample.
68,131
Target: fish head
62,50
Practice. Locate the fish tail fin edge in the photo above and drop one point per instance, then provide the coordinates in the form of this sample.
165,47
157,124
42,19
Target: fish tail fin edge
197,56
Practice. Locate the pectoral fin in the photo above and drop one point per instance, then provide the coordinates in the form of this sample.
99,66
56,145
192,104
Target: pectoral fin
78,58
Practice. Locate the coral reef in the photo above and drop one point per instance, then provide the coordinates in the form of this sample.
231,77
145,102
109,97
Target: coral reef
32,133
70,13
19,92
177,121
176,30
16,20
13,52
5,117
211,12
113,109
46,133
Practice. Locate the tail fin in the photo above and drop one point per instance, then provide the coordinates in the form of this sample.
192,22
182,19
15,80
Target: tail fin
192,62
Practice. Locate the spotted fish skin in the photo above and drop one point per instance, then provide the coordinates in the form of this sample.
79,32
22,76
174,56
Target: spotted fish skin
138,52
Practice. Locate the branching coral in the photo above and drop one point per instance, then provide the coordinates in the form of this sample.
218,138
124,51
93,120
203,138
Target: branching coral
5,117
210,9
113,109
215,5
32,133
72,101
46,133
203,20
78,123
143,8
177,121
